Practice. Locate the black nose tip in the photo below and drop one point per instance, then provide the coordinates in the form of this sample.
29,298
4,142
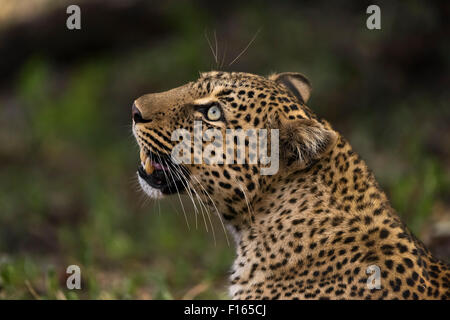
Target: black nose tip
136,114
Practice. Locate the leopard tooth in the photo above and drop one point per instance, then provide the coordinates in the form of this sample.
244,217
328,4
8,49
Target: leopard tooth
143,156
148,166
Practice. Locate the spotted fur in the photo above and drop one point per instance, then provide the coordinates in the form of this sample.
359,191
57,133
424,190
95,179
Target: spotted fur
312,230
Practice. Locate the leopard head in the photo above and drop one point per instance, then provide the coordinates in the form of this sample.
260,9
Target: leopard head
202,138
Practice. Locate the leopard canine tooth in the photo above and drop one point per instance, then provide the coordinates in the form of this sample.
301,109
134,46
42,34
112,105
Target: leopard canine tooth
148,166
143,156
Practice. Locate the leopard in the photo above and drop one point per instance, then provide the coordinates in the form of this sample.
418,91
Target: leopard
320,227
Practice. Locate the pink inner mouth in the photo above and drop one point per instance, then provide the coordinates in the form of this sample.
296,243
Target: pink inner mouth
159,166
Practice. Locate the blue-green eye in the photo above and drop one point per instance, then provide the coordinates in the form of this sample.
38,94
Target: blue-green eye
214,113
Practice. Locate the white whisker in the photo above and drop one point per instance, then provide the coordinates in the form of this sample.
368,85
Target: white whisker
245,49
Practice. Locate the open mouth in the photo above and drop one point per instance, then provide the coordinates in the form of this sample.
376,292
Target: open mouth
159,172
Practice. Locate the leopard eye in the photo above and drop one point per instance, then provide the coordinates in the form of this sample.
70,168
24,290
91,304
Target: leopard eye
214,113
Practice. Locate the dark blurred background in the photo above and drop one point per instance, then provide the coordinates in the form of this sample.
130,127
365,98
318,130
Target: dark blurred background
68,192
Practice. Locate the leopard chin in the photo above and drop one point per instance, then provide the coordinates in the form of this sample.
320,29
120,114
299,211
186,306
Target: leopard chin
151,192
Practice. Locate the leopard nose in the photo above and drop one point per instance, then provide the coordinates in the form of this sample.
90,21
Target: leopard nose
136,114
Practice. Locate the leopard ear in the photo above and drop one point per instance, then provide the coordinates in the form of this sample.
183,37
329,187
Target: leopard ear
303,141
297,83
